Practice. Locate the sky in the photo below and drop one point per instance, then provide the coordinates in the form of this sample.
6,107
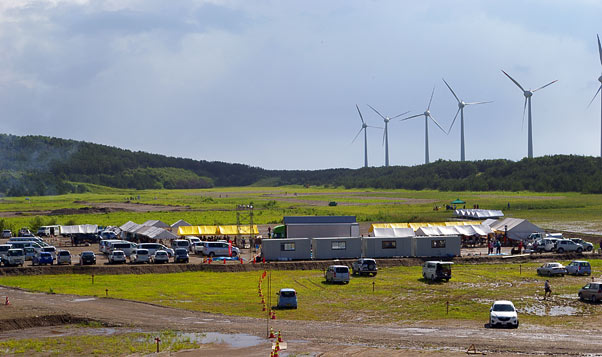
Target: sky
274,84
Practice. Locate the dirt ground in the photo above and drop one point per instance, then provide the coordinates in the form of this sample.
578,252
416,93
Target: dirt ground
445,337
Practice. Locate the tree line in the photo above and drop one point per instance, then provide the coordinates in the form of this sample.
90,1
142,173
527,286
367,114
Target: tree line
38,165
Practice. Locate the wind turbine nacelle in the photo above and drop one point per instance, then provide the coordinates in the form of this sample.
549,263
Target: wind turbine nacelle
528,93
600,79
461,105
427,113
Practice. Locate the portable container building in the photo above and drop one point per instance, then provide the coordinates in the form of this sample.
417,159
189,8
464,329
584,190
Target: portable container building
387,247
321,226
286,249
336,248
436,246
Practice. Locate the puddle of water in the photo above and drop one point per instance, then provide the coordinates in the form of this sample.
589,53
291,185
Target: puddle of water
234,340
83,299
543,310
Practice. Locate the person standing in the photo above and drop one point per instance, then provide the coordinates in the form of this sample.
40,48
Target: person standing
498,247
547,289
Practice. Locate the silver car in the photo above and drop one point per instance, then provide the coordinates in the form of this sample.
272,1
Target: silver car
591,291
337,274
551,269
579,267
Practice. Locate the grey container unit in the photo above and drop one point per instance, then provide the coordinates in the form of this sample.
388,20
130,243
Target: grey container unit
286,249
321,226
336,248
387,247
436,246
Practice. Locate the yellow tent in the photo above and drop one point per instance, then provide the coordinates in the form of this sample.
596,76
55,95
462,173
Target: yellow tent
197,230
233,230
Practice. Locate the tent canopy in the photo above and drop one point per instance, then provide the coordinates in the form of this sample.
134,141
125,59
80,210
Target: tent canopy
517,229
416,226
79,229
466,230
393,232
216,230
457,201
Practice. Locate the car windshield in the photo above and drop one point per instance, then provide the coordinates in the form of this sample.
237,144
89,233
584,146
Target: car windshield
14,253
63,253
503,307
86,254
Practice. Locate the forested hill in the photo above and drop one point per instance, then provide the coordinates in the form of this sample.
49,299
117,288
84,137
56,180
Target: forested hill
37,165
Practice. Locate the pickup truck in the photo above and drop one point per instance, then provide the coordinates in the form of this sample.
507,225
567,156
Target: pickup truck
364,266
539,235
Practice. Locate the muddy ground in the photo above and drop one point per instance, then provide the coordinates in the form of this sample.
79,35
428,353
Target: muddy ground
444,337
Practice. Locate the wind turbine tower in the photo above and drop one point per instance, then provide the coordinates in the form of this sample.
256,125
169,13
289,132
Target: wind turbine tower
528,94
427,115
461,105
364,128
386,133
600,88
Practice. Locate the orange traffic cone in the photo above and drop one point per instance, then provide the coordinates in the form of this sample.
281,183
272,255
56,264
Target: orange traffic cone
277,348
241,261
7,302
276,354
262,300
224,261
279,336
272,333
263,308
273,315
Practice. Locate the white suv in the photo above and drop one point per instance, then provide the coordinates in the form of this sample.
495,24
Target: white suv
139,256
503,313
212,249
117,257
567,245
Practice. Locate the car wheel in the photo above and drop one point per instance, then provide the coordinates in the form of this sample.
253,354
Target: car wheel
580,296
516,326
579,250
589,249
211,254
560,250
373,274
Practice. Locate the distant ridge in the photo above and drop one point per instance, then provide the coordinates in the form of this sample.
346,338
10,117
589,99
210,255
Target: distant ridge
39,165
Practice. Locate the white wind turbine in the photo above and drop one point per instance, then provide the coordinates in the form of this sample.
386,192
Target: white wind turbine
427,114
461,105
386,133
528,94
600,88
364,128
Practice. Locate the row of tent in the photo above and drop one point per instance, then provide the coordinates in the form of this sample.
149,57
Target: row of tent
478,213
217,230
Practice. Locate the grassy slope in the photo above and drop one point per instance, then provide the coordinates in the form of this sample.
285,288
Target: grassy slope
400,293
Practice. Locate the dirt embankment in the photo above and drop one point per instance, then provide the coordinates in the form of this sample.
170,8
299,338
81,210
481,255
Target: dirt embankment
291,265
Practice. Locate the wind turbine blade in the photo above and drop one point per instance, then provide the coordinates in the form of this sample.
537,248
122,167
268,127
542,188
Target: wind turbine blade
384,133
515,82
404,113
542,87
599,48
473,103
432,94
360,113
453,121
595,95
375,127
524,110
440,127
448,86
358,134
413,116
379,114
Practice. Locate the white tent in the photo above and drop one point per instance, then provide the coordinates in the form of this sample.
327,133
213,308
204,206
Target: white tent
517,228
156,223
393,232
79,229
478,213
466,230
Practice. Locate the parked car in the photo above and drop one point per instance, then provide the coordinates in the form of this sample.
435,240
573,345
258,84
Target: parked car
87,257
592,291
503,313
551,269
364,266
181,255
579,267
180,243
105,245
14,257
139,256
587,246
51,250
567,245
337,274
42,258
4,250
287,299
29,253
63,257
127,248
160,257
154,247
192,240
197,248
437,270
7,233
117,257
214,249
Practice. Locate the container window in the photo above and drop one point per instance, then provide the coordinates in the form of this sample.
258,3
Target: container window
389,244
438,243
338,245
287,247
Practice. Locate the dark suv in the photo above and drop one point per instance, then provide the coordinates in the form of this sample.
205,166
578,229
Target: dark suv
87,257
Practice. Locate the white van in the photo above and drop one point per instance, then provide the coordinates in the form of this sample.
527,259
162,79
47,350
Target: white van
104,246
15,257
38,240
337,274
23,245
180,243
437,270
127,247
4,250
192,240
154,247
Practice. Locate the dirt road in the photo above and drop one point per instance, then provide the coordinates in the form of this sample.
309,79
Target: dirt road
445,336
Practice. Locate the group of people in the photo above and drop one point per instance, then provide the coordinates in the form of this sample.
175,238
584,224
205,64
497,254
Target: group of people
497,244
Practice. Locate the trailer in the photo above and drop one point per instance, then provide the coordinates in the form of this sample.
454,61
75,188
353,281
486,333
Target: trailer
387,247
436,246
286,249
336,248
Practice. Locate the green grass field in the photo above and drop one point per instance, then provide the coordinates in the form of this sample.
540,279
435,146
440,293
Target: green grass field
217,205
399,293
